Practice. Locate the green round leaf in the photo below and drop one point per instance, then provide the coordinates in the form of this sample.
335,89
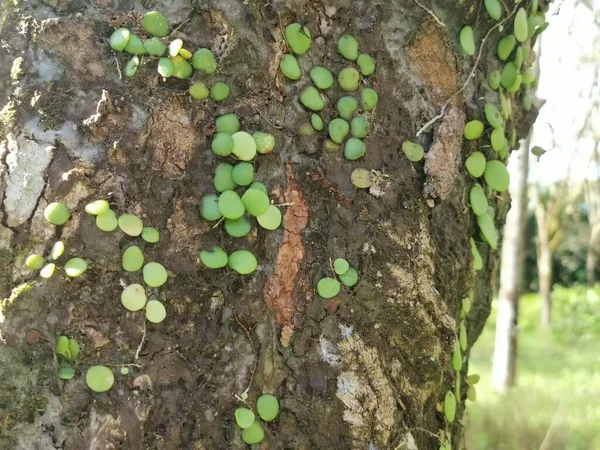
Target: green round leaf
73,349
359,127
254,434
199,91
230,205
130,224
131,67
328,287
224,178
175,46
369,99
473,130
242,173
210,207
155,47
133,259
228,123
215,259
477,261
413,151
521,28
493,116
321,77
471,393
244,417
135,46
348,79
205,61
237,227
366,63
347,106
348,47
450,406
494,9
350,278
244,146
99,378
118,40
265,142
494,79
456,358
488,230
48,270
267,407
219,91
316,122
496,176
497,139
338,130
298,38
35,262
155,275
97,207
361,178
133,297
290,67
155,24
311,98
354,149
166,68
506,46
475,164
270,219
57,213
243,262
255,202
467,41
527,102
124,370
75,267
66,372
181,68
150,235
462,337
340,266
509,75
155,311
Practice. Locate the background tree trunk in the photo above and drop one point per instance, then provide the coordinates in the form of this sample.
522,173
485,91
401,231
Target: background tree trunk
363,370
544,258
511,277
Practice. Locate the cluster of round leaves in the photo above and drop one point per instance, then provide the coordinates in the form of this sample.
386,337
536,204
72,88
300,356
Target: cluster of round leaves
312,97
515,76
329,287
173,59
229,206
57,214
68,350
267,407
154,274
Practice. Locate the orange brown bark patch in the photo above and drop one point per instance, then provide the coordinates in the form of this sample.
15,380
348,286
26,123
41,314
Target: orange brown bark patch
432,59
279,288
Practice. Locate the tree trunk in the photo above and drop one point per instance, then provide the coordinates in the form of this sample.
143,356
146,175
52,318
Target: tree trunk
544,259
511,277
362,370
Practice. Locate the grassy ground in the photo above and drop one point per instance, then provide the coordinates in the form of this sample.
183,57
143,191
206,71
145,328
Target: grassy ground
556,403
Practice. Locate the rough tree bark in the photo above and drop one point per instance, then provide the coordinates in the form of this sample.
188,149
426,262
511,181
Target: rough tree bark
544,254
511,277
362,371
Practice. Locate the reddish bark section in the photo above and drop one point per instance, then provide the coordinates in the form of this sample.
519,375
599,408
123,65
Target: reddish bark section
279,288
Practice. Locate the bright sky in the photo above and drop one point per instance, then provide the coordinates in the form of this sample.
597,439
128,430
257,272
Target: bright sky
565,82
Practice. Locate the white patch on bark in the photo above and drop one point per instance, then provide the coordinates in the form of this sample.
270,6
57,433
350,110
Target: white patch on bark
366,393
26,164
329,352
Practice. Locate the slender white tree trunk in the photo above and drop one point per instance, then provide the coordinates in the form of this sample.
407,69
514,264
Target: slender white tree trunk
511,275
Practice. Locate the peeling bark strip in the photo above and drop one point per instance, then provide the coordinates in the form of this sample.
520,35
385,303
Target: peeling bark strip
279,289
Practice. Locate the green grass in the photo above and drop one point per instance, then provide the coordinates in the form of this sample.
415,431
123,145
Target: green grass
557,397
